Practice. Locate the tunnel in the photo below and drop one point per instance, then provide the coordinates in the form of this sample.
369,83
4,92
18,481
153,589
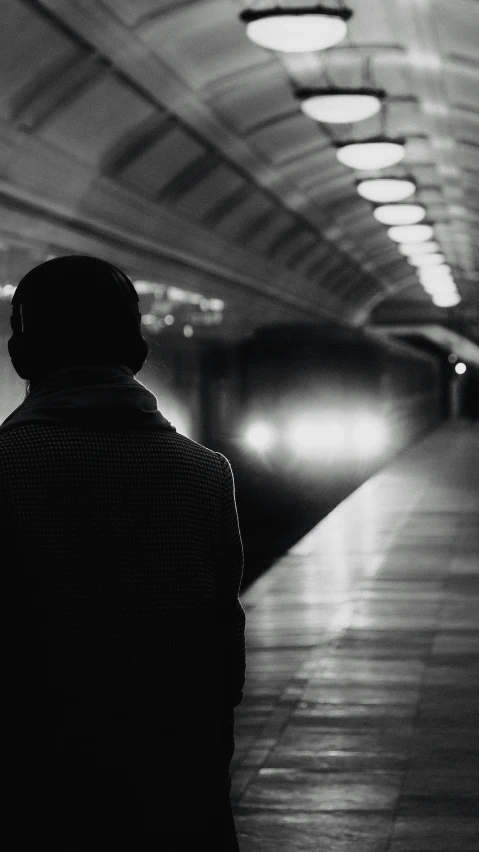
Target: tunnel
300,224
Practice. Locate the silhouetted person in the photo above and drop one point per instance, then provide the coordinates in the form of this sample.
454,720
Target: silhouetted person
126,633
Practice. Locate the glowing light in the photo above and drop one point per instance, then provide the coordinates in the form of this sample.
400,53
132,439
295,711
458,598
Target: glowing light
442,300
419,248
399,214
260,436
216,305
385,189
460,368
169,319
410,233
188,331
426,260
370,154
369,434
340,107
439,273
316,435
296,30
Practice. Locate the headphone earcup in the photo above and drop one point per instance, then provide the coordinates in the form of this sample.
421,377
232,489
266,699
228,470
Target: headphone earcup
18,355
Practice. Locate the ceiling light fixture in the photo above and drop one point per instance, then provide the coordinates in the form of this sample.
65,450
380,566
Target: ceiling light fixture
446,301
336,105
378,152
296,29
399,214
382,190
419,248
410,233
425,261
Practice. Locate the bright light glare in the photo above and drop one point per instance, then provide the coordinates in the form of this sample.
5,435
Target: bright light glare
296,33
399,214
382,190
341,108
370,155
410,233
460,368
426,260
316,435
259,436
446,300
419,248
369,434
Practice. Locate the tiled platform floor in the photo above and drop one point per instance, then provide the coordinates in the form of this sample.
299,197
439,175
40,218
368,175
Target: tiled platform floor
359,730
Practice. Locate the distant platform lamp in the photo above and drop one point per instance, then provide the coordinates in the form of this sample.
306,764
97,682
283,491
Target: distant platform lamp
301,29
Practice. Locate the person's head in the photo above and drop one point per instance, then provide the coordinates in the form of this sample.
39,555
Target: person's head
75,310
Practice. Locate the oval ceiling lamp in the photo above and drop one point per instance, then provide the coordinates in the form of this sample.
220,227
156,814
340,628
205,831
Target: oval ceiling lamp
382,190
426,261
378,152
446,301
399,214
300,29
336,105
419,248
410,233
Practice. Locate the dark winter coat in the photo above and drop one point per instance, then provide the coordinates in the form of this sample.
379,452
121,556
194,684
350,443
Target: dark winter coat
126,651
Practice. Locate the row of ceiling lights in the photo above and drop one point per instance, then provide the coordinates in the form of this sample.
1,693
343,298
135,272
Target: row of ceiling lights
306,29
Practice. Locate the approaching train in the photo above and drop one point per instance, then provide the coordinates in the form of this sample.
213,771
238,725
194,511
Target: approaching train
306,415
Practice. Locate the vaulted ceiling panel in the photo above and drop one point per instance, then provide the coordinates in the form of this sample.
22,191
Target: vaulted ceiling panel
463,86
255,97
29,46
164,158
457,24
97,118
286,139
205,41
211,189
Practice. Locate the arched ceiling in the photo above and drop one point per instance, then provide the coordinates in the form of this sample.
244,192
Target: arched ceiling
154,133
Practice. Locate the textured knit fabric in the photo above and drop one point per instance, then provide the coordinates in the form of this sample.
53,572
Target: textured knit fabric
127,652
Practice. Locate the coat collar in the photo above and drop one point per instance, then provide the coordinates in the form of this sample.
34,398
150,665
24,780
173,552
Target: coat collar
105,397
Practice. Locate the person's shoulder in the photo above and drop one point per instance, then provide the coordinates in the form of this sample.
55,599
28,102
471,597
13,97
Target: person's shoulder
193,447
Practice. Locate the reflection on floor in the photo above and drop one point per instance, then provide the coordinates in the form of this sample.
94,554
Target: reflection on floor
359,730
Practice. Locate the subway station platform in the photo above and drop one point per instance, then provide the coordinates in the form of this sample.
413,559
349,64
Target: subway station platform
359,729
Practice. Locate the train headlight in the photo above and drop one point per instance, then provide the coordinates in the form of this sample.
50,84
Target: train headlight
260,436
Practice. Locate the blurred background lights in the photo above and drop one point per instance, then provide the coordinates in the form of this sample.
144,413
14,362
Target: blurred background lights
428,247
382,190
169,319
316,435
296,30
460,368
260,436
426,260
188,330
452,358
369,434
410,233
399,214
371,154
